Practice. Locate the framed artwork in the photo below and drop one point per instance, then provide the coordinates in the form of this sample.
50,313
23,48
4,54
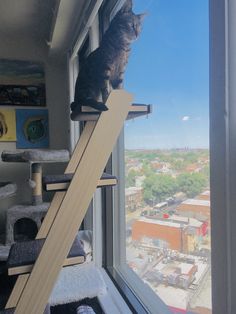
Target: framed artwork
7,125
22,83
32,128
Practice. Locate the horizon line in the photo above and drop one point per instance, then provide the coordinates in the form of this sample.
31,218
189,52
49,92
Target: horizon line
173,148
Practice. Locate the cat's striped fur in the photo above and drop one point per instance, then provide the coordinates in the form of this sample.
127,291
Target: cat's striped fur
104,68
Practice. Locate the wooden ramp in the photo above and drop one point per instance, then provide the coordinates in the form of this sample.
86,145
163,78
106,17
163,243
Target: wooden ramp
67,210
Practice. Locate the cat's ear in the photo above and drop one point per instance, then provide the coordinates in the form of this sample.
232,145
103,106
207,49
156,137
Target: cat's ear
141,16
127,7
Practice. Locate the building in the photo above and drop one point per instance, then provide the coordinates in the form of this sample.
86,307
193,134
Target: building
195,208
182,234
204,196
133,198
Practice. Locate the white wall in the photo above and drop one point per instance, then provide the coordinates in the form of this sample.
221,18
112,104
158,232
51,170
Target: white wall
57,103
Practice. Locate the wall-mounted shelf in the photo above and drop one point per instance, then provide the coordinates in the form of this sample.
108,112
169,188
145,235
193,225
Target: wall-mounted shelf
89,114
61,182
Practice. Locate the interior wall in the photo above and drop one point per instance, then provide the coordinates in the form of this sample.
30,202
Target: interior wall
32,49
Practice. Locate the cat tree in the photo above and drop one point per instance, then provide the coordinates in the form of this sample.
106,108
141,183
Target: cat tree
7,190
35,211
74,192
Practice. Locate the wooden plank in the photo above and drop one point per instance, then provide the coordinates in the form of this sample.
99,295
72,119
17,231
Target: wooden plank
60,183
17,290
74,206
55,204
65,185
25,269
71,167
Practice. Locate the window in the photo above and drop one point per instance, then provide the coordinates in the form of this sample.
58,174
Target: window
162,226
222,164
87,42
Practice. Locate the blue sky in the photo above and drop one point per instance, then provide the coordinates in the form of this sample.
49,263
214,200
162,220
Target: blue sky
168,67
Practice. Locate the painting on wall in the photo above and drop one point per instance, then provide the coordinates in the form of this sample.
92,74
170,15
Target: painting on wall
22,83
7,125
32,128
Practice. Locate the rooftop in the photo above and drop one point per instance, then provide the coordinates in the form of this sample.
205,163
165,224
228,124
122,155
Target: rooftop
161,222
206,193
132,190
190,221
196,202
173,221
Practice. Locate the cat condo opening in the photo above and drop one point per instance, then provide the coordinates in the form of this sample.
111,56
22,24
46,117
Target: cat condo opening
25,229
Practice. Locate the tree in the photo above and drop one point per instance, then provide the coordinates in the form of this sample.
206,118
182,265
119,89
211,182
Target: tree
191,183
158,187
130,178
206,172
146,169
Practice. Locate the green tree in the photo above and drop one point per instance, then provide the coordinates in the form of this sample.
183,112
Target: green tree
191,183
130,178
158,187
178,164
206,172
146,169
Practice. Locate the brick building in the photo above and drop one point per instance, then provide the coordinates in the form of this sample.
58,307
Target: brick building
133,198
204,196
177,233
195,208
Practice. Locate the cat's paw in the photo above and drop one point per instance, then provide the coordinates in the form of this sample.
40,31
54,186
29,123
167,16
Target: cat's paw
73,106
101,106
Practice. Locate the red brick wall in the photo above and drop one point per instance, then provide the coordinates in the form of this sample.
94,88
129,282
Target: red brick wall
195,209
203,197
169,234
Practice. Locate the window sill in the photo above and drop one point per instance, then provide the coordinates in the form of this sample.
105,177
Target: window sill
112,302
141,297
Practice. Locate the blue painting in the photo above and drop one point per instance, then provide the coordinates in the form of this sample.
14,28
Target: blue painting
32,128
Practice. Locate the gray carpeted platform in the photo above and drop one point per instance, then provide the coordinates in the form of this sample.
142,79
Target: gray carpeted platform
26,253
36,156
7,189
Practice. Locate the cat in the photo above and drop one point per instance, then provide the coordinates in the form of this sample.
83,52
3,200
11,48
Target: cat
103,70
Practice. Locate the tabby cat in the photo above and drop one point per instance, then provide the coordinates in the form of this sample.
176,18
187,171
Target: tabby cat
103,70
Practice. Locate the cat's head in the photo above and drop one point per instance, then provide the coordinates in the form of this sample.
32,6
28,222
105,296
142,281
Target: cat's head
130,23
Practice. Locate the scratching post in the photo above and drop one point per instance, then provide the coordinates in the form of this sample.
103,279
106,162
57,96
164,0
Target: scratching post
36,177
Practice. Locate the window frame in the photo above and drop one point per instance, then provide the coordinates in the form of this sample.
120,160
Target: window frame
134,299
222,168
90,37
223,148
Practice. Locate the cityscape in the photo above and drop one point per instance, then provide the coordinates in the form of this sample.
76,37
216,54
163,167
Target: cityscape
168,242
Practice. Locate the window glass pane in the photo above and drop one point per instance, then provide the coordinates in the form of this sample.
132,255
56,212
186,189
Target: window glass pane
167,193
